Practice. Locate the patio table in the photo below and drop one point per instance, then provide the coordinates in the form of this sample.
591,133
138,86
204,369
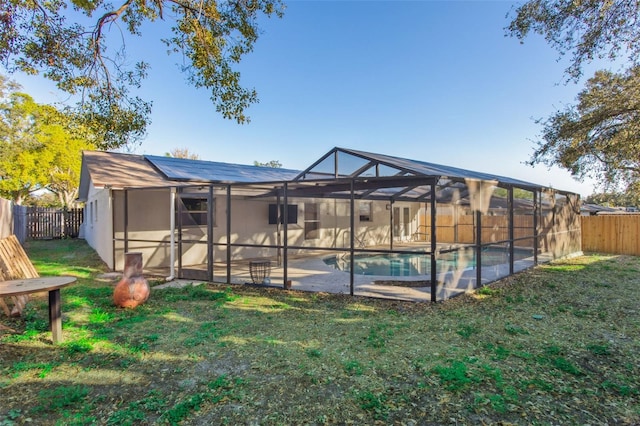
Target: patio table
37,285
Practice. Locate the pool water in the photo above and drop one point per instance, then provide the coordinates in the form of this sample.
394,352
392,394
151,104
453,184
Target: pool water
414,264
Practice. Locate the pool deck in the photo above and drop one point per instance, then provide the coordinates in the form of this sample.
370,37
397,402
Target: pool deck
312,274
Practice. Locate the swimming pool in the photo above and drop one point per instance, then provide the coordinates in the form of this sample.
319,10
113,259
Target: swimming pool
414,264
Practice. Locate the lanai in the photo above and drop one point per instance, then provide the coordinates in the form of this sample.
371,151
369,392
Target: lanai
414,207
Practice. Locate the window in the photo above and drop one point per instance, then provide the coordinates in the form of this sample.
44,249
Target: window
365,212
311,221
195,211
292,214
95,211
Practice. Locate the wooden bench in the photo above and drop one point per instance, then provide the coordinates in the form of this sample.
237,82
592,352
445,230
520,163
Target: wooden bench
14,265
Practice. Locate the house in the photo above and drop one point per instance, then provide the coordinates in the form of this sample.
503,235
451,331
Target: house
596,209
210,219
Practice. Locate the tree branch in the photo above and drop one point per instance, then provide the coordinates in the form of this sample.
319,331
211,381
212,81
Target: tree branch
108,17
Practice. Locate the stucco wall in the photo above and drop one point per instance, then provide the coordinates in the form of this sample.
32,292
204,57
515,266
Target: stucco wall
97,225
149,223
148,227
250,225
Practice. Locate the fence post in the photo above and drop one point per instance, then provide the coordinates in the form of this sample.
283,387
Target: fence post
6,218
20,223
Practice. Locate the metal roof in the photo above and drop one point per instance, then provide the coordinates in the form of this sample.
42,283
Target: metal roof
336,174
181,169
116,170
596,208
344,162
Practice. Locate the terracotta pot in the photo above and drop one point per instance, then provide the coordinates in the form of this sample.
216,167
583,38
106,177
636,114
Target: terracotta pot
131,292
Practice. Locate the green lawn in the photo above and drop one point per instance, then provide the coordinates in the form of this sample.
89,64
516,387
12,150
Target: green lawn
554,345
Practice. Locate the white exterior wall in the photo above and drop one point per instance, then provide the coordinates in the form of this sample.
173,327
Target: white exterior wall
250,225
149,217
97,227
149,220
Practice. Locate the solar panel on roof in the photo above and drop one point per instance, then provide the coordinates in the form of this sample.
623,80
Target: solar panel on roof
212,171
355,161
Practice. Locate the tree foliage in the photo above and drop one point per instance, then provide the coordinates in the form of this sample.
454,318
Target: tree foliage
599,136
22,161
64,173
615,199
40,147
44,199
182,153
272,163
586,29
80,46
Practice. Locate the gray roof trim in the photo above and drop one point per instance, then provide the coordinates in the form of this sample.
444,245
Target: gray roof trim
374,176
416,167
432,169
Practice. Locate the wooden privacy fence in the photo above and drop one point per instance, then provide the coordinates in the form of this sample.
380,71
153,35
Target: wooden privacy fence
614,234
48,223
461,229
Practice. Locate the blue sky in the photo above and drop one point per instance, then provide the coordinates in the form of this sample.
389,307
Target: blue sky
436,81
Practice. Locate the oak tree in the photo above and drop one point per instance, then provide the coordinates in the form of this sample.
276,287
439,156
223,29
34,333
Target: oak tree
22,162
585,29
66,149
599,136
80,45
40,147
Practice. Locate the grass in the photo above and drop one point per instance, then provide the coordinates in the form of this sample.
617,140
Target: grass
554,345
